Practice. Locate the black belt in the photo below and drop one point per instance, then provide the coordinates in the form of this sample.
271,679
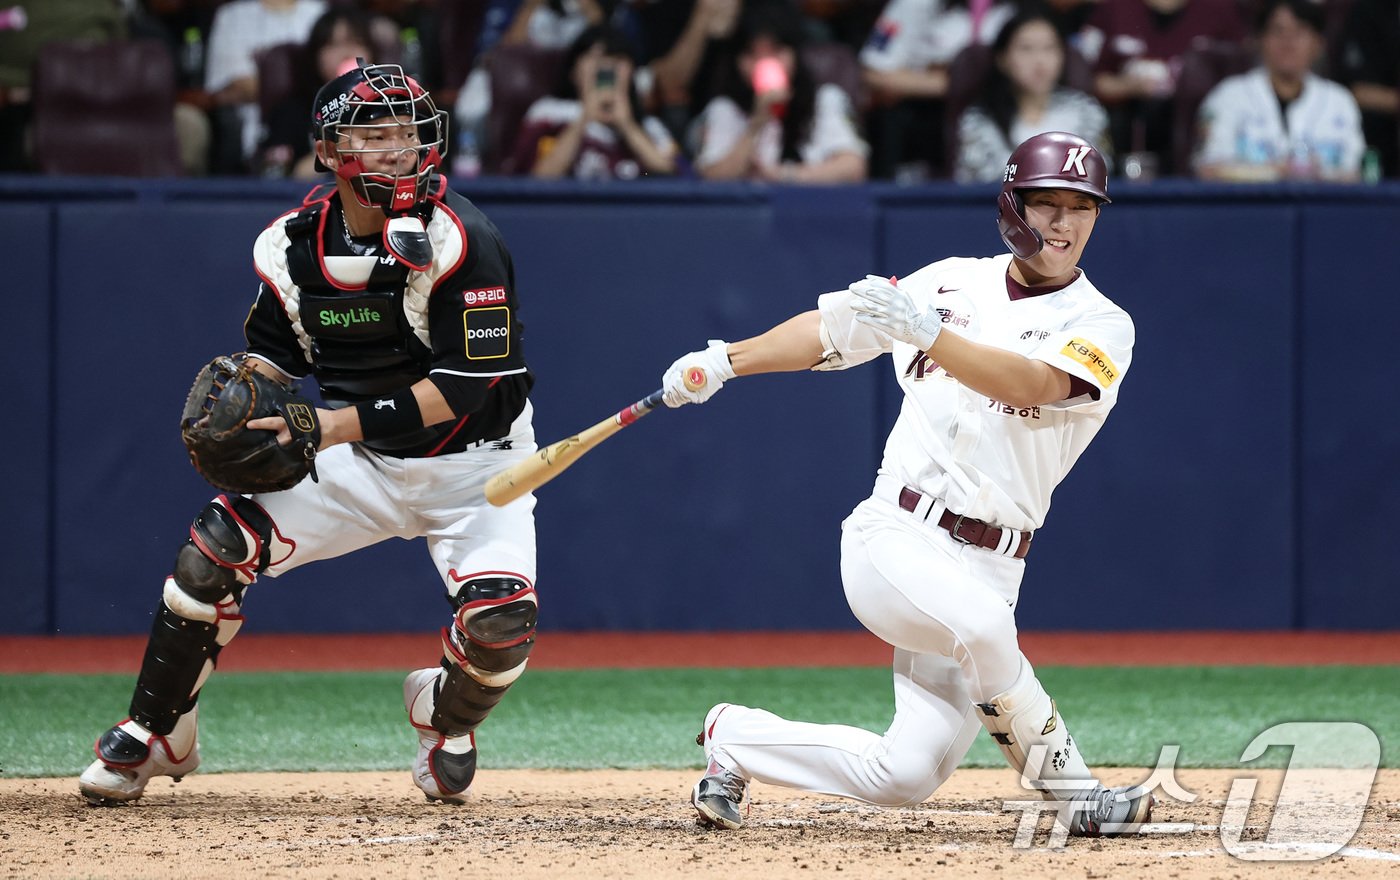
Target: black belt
966,530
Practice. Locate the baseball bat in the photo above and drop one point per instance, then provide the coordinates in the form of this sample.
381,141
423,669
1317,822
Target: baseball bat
554,459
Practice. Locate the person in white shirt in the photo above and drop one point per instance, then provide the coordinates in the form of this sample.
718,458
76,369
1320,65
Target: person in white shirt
1009,366
905,64
1023,95
240,30
1281,120
773,122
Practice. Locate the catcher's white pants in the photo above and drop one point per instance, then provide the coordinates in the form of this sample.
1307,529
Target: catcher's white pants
364,498
947,608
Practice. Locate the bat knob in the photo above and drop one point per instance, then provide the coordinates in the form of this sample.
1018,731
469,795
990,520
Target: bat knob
694,379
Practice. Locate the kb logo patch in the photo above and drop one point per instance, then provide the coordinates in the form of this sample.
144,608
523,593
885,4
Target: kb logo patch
487,332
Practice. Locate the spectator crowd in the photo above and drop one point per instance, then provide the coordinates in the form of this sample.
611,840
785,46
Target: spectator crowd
800,91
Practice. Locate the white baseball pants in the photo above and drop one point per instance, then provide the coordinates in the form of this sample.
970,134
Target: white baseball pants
947,608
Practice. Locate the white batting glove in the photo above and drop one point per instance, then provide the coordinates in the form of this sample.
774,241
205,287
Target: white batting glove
707,370
881,305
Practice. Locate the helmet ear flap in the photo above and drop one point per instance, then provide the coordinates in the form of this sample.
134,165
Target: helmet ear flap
1023,241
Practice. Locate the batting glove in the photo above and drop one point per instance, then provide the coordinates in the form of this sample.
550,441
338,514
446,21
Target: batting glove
707,369
879,304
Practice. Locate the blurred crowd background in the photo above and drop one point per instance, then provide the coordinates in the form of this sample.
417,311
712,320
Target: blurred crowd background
815,91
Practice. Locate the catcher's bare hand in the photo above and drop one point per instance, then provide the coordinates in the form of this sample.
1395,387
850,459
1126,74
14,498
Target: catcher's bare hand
330,428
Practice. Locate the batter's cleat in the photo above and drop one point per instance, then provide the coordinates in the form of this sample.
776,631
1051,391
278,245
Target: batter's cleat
718,796
1116,811
129,755
445,765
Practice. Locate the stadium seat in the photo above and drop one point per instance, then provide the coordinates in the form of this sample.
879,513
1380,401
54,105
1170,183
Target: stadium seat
105,108
519,76
837,63
277,75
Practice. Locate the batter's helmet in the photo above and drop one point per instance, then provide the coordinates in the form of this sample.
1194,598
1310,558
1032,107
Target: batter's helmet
1054,160
383,95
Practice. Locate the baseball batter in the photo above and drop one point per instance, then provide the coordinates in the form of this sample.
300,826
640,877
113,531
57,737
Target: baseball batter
1009,366
398,296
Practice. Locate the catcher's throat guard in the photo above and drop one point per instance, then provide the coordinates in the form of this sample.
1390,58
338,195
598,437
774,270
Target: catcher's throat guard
226,395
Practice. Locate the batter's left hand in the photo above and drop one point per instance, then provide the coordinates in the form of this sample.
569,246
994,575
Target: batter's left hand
880,304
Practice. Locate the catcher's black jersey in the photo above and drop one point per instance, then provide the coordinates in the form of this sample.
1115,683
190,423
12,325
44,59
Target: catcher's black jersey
342,309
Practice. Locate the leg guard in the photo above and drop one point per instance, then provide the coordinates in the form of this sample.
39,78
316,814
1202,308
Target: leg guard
484,651
1033,737
199,609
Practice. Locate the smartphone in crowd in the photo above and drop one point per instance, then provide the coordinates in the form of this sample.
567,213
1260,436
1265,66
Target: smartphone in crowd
605,77
769,75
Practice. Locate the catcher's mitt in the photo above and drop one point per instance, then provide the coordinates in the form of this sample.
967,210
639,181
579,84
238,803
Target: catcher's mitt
227,394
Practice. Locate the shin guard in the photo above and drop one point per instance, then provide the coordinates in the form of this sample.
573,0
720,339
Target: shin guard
1031,734
484,651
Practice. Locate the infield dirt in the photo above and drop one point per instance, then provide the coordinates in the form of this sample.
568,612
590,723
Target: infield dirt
617,824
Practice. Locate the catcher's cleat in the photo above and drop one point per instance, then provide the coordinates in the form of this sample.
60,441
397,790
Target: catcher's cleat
129,755
1116,811
445,765
718,796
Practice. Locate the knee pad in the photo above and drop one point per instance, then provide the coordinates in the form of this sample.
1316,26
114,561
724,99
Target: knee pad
494,629
229,546
484,650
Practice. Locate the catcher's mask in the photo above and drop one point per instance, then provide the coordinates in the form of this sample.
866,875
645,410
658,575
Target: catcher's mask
380,102
1054,160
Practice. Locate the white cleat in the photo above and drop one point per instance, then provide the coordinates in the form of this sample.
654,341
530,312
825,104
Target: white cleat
445,765
129,756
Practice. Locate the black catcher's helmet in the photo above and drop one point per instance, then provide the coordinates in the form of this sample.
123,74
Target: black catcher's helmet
380,95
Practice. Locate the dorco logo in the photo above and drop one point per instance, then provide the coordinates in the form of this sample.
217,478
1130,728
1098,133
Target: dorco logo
488,333
484,296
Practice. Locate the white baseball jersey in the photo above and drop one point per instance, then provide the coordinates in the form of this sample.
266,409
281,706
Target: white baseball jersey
916,34
1241,122
985,458
723,123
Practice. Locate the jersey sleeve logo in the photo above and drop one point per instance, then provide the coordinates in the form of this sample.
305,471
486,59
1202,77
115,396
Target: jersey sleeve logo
486,333
485,296
1101,367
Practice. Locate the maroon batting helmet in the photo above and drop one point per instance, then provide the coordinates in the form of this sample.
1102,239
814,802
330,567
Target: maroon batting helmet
1054,160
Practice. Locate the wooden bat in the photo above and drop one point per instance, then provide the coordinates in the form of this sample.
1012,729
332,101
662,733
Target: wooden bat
553,460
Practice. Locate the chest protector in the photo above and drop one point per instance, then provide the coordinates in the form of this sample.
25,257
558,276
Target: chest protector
361,320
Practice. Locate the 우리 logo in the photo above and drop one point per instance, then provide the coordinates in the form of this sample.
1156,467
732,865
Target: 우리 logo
485,296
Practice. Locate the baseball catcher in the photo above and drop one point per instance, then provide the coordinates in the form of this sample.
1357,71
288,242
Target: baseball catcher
397,296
